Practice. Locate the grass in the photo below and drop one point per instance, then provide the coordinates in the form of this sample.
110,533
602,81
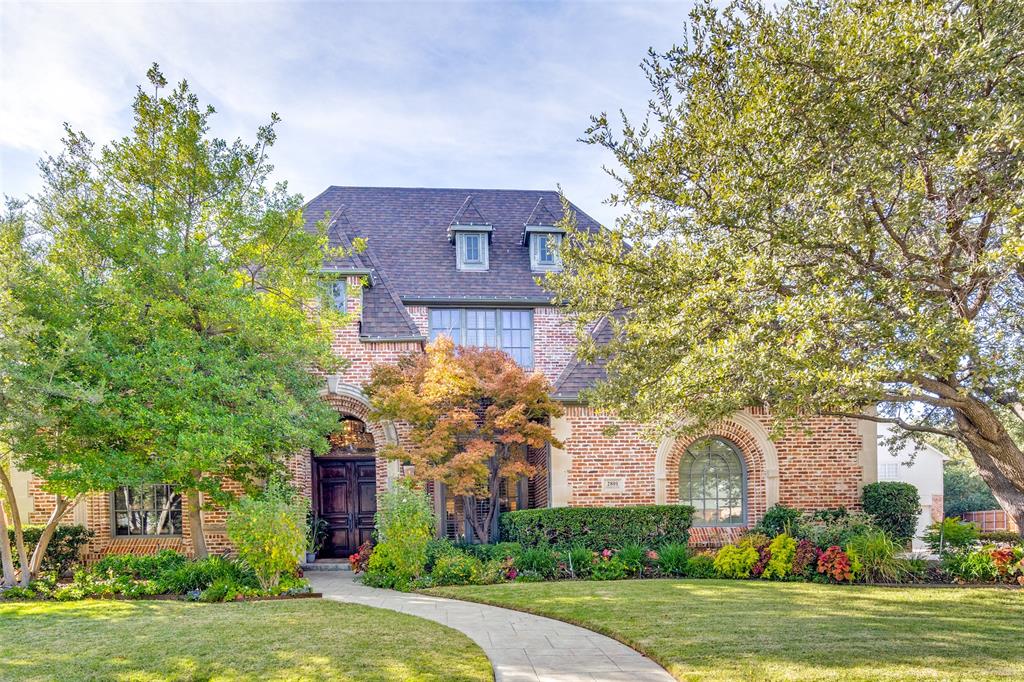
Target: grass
749,630
305,639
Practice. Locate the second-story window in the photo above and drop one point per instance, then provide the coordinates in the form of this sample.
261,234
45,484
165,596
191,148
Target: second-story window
509,330
472,250
544,251
335,293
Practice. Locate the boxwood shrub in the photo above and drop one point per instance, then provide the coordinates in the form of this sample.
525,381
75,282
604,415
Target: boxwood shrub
895,507
63,551
598,528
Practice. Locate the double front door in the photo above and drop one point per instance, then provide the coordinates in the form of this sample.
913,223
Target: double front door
346,500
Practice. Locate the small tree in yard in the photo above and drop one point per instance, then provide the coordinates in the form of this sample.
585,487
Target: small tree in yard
473,414
269,531
184,289
824,213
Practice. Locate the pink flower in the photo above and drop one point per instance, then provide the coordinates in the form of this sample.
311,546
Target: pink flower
607,554
652,555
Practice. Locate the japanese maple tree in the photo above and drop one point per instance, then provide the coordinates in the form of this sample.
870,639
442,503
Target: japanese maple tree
473,414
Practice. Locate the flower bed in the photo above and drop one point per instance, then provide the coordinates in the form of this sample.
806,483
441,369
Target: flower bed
827,547
164,575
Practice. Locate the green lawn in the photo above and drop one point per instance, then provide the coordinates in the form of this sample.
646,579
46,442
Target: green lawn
274,640
750,630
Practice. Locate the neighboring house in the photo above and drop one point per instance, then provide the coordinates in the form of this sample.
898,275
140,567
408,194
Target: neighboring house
921,467
464,262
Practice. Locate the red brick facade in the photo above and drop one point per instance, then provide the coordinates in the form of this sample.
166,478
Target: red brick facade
605,461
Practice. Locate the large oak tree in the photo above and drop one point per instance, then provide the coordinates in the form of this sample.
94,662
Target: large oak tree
824,214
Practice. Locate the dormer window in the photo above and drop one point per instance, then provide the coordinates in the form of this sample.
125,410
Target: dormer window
544,251
471,250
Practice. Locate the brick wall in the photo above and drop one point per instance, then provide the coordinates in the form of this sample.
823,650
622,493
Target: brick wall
613,463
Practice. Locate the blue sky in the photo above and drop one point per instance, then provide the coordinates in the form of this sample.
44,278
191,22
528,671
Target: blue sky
404,94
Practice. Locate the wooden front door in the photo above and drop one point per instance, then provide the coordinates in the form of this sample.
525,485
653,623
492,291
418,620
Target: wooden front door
346,500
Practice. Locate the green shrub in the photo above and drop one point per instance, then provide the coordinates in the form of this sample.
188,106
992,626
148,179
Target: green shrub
1000,536
598,527
673,558
269,531
876,554
458,569
835,528
735,561
540,560
951,534
139,566
977,566
610,568
388,568
779,519
18,593
437,548
633,557
701,566
578,561
405,526
485,552
895,507
198,575
782,551
64,549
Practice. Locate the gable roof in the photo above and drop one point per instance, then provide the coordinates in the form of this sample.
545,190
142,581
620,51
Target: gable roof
406,230
579,375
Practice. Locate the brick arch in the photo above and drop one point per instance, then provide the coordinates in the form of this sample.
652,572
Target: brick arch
759,458
349,401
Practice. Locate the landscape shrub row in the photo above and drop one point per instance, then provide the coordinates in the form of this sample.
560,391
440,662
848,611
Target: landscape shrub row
598,527
167,572
62,554
832,546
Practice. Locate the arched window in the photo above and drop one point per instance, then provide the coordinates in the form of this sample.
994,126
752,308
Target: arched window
713,480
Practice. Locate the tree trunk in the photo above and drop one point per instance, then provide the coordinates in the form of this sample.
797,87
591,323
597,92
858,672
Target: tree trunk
19,534
1000,461
195,525
6,561
62,506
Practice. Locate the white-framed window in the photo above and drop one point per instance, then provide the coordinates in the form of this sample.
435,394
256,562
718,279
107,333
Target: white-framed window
544,251
471,248
889,471
509,330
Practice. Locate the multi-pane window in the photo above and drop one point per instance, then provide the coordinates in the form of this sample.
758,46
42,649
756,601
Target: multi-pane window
472,250
889,471
712,480
517,336
509,330
153,509
481,328
544,251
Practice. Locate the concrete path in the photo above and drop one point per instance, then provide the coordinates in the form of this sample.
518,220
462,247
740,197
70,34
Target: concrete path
522,647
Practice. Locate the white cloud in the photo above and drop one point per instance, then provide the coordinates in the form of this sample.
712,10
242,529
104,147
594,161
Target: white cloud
490,95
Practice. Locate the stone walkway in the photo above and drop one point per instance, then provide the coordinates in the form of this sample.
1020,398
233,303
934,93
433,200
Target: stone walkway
522,647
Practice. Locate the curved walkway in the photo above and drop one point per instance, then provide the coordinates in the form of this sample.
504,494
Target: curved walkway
522,647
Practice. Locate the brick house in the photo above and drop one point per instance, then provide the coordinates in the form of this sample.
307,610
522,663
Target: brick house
465,263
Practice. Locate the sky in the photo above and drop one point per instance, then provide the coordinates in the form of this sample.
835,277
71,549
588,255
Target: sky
455,94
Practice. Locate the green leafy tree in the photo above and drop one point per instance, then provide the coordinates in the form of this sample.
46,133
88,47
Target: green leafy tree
200,292
473,413
269,531
45,398
964,490
823,213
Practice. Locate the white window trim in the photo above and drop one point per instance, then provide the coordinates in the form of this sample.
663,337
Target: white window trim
535,264
460,252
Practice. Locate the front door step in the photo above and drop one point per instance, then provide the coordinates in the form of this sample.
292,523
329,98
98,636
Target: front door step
328,565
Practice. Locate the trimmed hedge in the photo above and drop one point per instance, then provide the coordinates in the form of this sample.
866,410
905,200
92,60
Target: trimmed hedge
63,551
895,507
598,528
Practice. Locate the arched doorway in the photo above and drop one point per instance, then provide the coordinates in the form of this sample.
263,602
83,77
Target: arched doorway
345,488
